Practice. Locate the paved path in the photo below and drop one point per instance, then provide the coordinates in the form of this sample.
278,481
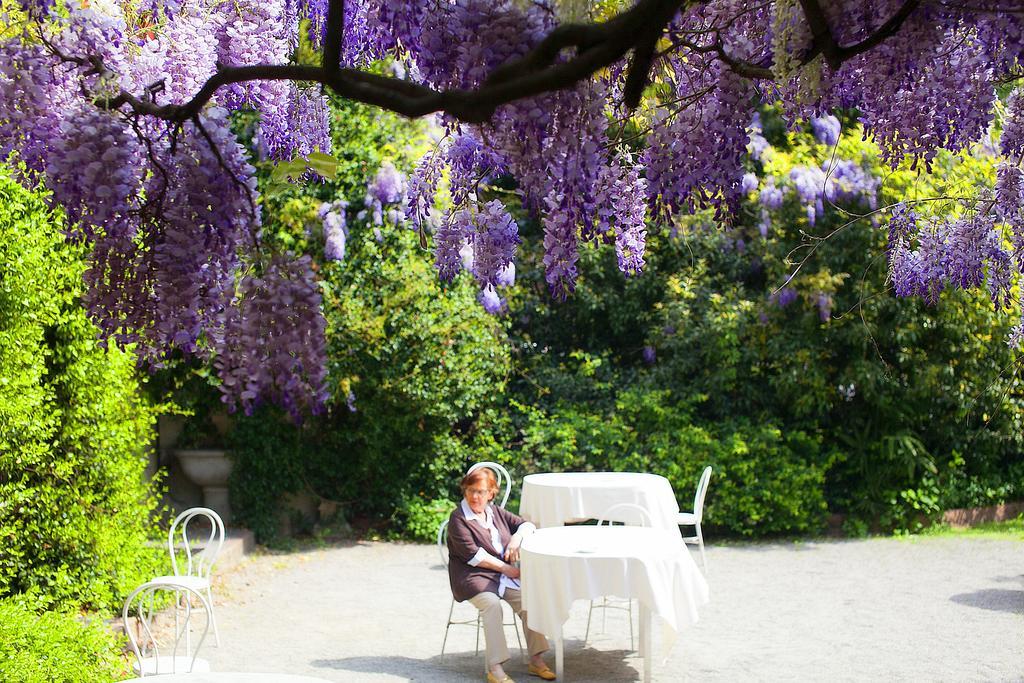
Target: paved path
928,609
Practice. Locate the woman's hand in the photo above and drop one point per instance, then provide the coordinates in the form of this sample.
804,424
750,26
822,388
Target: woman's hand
512,551
511,571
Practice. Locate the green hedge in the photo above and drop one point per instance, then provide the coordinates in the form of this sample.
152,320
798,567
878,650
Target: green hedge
764,482
56,647
75,507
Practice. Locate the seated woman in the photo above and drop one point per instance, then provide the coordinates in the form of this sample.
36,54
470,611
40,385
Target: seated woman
483,544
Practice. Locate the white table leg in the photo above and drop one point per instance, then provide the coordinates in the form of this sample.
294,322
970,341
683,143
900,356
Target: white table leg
645,640
559,656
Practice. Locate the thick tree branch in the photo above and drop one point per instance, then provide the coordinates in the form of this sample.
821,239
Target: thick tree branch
739,66
825,42
335,35
639,69
590,47
596,46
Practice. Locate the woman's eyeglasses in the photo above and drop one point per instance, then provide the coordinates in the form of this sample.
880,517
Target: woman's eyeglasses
478,492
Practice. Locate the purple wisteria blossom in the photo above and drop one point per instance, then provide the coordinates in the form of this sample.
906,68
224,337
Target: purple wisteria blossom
824,303
506,276
771,197
782,298
489,299
332,215
388,185
826,129
956,253
171,219
756,142
494,239
450,239
650,355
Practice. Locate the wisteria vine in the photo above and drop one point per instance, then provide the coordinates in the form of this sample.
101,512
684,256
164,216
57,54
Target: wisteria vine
123,109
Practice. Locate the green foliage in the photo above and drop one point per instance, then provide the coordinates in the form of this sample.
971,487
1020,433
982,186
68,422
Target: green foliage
764,481
56,647
886,410
420,359
889,409
75,508
268,460
1010,530
420,518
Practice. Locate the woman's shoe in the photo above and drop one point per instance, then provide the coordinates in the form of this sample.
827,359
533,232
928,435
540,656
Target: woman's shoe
542,672
491,678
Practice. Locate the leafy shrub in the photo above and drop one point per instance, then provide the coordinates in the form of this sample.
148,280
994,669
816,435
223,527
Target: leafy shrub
420,518
907,409
56,647
421,361
413,361
764,482
268,456
75,507
837,394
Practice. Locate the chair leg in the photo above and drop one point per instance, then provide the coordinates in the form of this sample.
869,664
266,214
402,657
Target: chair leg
604,614
446,627
177,624
703,557
479,627
213,617
515,625
589,613
188,634
629,614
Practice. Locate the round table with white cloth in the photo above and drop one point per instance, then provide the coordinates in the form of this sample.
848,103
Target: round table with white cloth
227,677
564,564
554,498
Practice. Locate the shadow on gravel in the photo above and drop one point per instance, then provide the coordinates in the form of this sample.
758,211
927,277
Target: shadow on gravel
1010,579
581,664
996,599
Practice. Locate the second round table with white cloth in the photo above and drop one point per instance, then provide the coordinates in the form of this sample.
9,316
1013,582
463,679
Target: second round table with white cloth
564,564
554,498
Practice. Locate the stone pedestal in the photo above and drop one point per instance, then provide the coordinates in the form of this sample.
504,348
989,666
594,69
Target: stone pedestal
209,469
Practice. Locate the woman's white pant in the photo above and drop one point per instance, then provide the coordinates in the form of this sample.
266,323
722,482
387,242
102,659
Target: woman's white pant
489,605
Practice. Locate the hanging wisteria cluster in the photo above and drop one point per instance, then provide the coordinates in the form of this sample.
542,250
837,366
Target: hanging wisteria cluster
122,108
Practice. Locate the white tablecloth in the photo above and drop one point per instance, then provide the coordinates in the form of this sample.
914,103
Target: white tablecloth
553,498
563,564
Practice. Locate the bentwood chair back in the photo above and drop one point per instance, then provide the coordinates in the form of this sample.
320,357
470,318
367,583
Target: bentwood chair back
194,540
504,479
180,542
630,514
618,513
156,650
695,518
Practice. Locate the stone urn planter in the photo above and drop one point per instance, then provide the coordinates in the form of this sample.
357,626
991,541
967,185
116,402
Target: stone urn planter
210,469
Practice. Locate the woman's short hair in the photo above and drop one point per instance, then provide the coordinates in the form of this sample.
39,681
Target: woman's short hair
480,474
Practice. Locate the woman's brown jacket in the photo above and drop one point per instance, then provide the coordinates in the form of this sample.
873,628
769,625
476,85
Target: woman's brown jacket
464,538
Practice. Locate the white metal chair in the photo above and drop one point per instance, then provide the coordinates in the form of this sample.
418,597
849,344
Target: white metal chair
618,513
503,478
442,549
147,640
694,518
191,566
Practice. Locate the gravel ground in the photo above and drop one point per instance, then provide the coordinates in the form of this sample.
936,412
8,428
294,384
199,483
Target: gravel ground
926,609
